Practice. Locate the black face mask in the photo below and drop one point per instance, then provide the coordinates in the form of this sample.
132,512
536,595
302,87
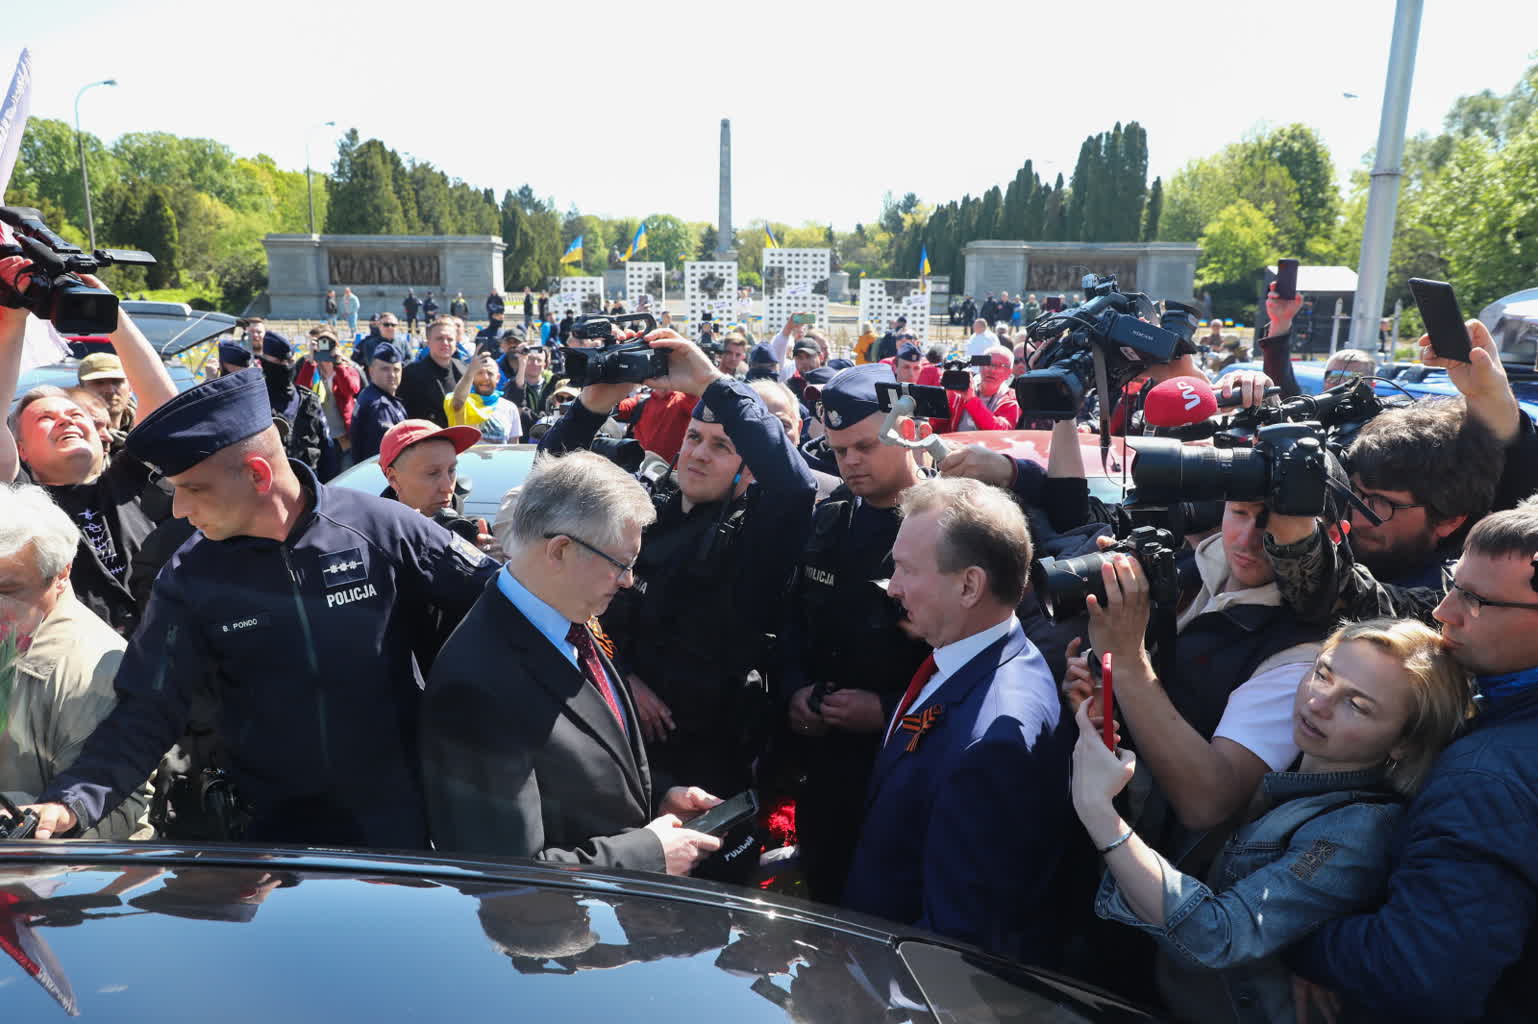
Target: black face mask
280,378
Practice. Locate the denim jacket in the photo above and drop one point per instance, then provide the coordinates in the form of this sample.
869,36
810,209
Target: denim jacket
1319,852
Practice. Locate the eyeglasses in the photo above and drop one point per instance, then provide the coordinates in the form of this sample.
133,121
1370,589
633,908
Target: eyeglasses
1476,603
388,323
621,566
1381,507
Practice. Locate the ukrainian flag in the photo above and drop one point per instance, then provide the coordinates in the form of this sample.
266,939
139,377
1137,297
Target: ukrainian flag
573,253
769,242
924,261
638,242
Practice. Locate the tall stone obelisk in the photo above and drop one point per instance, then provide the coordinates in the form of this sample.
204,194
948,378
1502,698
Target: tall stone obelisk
725,249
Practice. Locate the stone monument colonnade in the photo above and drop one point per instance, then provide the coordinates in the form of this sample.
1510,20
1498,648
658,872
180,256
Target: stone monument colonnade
1163,270
379,269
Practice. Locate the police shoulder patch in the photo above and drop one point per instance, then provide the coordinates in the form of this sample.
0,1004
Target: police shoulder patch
468,553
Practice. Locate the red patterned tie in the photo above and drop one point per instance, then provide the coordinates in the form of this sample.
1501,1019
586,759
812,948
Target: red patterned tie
925,673
592,667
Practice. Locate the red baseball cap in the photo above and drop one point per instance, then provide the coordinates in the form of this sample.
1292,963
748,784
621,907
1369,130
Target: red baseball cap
408,432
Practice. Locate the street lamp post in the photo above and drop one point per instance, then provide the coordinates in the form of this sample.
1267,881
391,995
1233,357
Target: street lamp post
85,177
309,190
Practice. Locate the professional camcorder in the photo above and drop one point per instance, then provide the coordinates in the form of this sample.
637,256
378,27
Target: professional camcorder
957,371
1063,584
1101,343
55,291
630,362
1340,412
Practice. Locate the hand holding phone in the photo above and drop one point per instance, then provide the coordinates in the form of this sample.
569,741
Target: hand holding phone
1444,322
727,815
1286,278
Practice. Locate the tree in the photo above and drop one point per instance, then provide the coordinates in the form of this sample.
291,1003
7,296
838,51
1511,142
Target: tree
48,168
364,198
708,240
158,230
1236,245
1154,209
669,240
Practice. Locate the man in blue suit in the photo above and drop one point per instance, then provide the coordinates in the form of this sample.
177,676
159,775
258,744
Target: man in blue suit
968,808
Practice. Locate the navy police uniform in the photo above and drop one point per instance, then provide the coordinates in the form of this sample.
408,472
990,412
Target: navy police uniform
710,588
376,412
844,634
234,354
297,411
306,643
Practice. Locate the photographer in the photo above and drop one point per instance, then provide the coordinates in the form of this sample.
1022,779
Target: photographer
690,635
994,408
114,504
1429,470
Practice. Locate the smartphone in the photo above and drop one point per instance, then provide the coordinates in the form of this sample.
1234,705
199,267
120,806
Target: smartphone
928,401
804,319
1440,314
1107,704
726,815
1286,279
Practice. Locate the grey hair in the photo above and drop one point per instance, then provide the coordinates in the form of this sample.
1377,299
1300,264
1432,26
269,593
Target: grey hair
581,494
41,391
28,515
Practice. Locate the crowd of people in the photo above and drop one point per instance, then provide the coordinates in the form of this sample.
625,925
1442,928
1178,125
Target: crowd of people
1320,792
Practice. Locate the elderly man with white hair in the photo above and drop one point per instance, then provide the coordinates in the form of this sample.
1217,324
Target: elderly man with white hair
60,685
531,743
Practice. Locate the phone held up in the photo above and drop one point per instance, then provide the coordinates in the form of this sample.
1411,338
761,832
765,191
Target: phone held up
1286,279
1444,322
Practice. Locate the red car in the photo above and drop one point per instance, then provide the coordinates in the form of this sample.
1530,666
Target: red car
1107,481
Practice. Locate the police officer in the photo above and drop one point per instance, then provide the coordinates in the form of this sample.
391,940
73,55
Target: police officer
297,411
378,409
322,734
848,658
233,357
712,572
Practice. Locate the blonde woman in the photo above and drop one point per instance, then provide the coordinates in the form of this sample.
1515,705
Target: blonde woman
1383,699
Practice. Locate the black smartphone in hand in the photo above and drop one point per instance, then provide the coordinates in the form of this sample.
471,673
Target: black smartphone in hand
1286,278
727,815
1444,322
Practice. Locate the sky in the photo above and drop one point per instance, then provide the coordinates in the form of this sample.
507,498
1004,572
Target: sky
832,105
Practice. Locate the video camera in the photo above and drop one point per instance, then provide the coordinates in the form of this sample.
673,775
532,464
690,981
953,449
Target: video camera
631,362
1062,585
1340,412
1105,327
957,372
1287,467
55,292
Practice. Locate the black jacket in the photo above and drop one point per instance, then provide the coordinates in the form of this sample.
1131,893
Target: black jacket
425,384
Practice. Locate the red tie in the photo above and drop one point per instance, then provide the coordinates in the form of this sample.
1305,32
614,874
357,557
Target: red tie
592,667
925,673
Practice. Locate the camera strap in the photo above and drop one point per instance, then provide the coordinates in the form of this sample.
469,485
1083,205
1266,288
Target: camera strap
1103,389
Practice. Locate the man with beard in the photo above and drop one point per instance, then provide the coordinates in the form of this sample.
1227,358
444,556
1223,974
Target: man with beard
297,411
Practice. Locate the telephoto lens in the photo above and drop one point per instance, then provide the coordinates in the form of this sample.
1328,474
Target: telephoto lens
1166,471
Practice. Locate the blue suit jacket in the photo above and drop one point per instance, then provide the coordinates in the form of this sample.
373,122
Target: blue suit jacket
963,835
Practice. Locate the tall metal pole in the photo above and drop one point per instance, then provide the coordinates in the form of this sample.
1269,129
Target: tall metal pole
309,190
1383,195
85,177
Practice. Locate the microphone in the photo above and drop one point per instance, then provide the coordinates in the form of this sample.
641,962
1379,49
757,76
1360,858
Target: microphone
1179,402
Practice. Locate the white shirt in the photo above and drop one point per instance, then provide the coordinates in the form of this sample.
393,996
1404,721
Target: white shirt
951,658
1258,715
979,344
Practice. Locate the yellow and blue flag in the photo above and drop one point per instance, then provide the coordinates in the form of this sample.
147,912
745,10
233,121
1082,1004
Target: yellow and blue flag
638,242
573,253
769,242
924,261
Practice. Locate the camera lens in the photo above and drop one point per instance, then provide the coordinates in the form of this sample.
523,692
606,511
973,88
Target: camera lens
1167,471
1063,584
1057,391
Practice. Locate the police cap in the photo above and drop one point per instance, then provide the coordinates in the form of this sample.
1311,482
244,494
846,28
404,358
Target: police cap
233,353
385,353
908,352
275,346
851,395
762,355
202,421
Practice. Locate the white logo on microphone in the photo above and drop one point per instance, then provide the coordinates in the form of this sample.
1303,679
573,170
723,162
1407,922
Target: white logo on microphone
1193,399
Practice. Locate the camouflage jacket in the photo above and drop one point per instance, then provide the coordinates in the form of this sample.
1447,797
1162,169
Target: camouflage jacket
1322,583
63,689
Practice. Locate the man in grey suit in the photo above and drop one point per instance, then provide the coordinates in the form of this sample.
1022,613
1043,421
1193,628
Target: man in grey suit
531,746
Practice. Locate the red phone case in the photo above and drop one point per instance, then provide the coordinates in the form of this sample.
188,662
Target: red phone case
1107,703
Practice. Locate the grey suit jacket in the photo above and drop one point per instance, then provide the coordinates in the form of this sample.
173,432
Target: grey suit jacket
521,756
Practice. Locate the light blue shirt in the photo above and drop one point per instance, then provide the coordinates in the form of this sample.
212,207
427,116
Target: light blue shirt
552,625
546,619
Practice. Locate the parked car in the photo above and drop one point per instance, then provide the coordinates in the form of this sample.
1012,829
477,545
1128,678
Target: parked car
490,470
235,933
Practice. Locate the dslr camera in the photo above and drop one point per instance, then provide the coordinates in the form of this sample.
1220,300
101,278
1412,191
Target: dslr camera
1340,412
55,292
1062,585
630,362
1108,325
1287,467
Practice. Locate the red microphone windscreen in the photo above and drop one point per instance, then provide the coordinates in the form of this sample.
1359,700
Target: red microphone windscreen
1179,402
